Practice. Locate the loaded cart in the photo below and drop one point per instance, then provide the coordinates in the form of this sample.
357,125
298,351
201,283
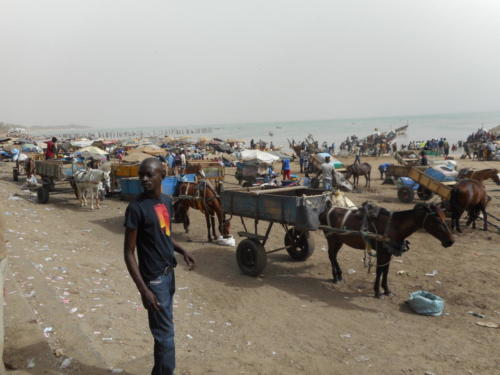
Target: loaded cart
24,166
54,173
419,179
296,209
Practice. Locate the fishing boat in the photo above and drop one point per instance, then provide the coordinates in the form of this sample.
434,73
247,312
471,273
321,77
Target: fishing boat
402,129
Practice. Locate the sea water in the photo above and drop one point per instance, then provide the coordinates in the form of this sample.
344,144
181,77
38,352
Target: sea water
453,127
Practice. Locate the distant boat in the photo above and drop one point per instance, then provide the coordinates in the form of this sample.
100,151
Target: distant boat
271,134
402,129
278,127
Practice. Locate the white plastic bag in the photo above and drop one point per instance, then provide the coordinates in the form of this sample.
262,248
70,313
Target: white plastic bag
230,241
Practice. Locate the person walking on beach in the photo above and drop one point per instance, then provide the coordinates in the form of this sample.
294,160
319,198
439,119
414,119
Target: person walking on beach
285,169
446,148
306,161
326,169
423,159
148,228
301,160
183,161
50,152
357,155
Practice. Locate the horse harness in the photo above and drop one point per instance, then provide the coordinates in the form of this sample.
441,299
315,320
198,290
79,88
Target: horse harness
370,213
198,198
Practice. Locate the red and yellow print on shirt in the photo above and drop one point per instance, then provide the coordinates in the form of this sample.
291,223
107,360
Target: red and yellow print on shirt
163,217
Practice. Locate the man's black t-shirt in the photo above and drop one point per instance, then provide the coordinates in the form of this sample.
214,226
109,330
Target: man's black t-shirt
151,217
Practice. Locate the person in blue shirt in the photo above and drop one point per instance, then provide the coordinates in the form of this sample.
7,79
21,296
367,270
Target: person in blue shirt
382,168
170,160
285,168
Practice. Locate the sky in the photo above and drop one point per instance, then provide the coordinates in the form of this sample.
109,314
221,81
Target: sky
108,63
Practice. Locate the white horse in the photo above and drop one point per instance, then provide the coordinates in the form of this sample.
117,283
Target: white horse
90,181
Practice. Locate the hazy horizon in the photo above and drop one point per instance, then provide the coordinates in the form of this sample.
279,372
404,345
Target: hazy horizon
175,63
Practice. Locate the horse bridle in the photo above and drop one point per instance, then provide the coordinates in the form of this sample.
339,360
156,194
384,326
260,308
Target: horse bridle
429,212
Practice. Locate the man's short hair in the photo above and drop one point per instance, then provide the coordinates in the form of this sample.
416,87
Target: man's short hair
157,164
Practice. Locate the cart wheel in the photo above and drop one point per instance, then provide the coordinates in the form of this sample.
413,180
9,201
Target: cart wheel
302,244
15,174
406,194
42,194
424,193
251,257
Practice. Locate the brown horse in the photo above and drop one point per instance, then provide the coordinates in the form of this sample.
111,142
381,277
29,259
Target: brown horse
470,196
200,196
359,169
392,229
480,176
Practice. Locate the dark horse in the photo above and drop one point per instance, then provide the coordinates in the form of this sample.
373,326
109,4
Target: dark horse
200,196
359,169
470,196
392,230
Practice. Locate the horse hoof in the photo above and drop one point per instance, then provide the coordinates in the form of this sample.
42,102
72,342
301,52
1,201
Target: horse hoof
378,296
388,293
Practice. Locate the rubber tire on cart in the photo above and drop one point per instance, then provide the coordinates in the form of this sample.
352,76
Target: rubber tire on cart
42,194
15,174
406,194
424,193
251,257
302,242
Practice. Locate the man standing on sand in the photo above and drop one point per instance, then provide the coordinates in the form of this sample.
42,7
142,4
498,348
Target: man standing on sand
285,168
183,161
148,228
50,152
326,170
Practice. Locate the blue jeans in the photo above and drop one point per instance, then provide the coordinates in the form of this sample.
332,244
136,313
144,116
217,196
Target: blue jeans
327,184
161,324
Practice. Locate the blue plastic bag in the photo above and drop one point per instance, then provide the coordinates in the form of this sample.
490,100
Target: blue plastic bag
426,303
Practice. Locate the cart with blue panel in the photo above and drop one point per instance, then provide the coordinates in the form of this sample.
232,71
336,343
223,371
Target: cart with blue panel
423,181
296,209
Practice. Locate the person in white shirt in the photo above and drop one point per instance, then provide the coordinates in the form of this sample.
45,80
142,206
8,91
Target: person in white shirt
326,170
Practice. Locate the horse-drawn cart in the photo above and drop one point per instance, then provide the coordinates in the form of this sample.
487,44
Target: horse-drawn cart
421,182
407,157
250,174
297,209
55,173
25,166
212,170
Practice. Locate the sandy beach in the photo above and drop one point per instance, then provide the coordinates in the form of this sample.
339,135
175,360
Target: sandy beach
69,295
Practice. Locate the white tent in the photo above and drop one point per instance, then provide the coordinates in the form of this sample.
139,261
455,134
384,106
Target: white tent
256,157
81,142
92,151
